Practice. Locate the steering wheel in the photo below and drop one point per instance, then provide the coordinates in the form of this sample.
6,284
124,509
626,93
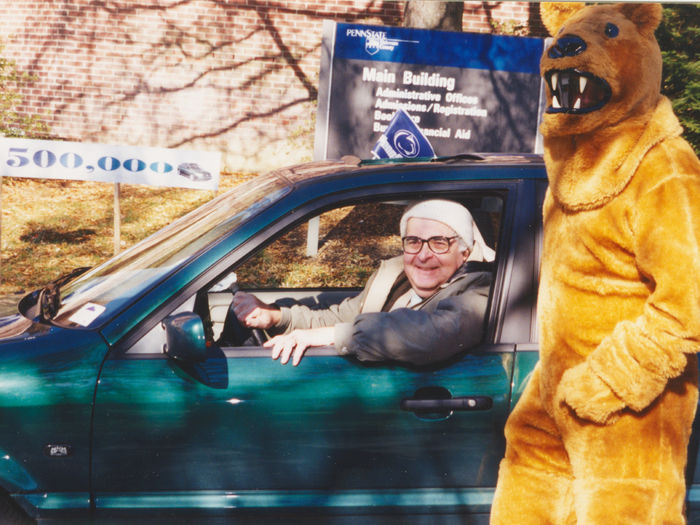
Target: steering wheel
236,334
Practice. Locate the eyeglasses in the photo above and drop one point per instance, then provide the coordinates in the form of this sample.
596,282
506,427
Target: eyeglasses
437,244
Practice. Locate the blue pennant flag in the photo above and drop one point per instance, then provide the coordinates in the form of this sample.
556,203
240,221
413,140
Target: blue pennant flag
402,138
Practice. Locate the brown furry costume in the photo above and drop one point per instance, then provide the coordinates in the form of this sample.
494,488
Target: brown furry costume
600,434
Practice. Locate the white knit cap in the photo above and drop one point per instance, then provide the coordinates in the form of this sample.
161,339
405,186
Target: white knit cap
455,216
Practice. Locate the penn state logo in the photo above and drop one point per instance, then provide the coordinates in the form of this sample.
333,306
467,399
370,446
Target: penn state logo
406,143
373,43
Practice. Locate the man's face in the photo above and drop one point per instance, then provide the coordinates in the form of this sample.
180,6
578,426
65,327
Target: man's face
426,270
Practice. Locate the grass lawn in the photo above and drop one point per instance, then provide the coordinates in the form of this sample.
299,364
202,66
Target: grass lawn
50,227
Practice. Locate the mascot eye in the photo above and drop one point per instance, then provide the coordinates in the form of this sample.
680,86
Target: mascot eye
611,30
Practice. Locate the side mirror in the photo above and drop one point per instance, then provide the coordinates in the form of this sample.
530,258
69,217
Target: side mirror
184,335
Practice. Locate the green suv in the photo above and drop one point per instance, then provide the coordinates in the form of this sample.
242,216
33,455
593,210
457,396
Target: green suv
118,403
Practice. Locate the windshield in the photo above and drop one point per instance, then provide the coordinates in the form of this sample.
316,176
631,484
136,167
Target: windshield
108,287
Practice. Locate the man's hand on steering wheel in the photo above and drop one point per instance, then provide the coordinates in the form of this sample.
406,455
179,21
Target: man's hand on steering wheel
253,313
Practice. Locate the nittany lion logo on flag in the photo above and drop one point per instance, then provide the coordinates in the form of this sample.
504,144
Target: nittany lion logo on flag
406,143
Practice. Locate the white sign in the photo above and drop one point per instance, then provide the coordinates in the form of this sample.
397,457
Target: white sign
87,314
51,159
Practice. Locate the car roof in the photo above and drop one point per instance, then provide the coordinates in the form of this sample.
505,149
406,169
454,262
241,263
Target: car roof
350,165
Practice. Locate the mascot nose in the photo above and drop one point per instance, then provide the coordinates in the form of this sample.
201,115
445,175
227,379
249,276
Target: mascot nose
567,46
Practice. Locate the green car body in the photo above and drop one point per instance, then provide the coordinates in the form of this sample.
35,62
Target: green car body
116,405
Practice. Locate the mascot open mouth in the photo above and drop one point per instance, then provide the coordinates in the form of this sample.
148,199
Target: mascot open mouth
574,91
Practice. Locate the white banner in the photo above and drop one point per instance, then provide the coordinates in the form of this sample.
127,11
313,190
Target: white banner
51,159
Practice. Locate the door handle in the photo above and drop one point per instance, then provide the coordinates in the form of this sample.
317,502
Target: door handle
467,403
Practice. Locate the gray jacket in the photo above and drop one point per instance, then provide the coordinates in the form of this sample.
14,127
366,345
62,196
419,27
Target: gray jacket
444,324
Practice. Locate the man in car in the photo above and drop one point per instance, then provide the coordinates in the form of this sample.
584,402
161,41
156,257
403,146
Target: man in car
419,308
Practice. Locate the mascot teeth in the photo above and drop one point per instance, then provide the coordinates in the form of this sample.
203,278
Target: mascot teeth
575,91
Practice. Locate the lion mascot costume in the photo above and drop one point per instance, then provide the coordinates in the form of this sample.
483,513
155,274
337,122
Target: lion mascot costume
600,434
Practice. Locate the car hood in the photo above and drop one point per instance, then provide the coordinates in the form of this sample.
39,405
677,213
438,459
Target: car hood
16,326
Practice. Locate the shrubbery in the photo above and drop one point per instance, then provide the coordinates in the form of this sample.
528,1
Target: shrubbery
679,38
14,123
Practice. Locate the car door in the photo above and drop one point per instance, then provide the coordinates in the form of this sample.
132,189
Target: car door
239,434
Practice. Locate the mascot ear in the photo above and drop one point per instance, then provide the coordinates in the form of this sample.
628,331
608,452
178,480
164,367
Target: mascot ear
554,14
646,17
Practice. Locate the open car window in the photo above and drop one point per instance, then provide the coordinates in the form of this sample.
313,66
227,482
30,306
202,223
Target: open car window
352,240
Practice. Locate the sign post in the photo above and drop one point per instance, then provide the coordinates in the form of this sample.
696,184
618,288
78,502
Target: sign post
117,220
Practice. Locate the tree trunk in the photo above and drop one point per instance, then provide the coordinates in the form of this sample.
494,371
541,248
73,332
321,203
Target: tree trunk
431,14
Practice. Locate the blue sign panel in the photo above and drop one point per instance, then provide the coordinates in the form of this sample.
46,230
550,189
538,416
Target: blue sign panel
467,92
439,48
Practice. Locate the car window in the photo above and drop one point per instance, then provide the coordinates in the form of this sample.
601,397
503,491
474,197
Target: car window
352,240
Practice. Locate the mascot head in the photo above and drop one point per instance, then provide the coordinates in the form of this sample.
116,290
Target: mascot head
603,66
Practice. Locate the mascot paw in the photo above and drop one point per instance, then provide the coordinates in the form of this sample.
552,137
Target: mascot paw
588,396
